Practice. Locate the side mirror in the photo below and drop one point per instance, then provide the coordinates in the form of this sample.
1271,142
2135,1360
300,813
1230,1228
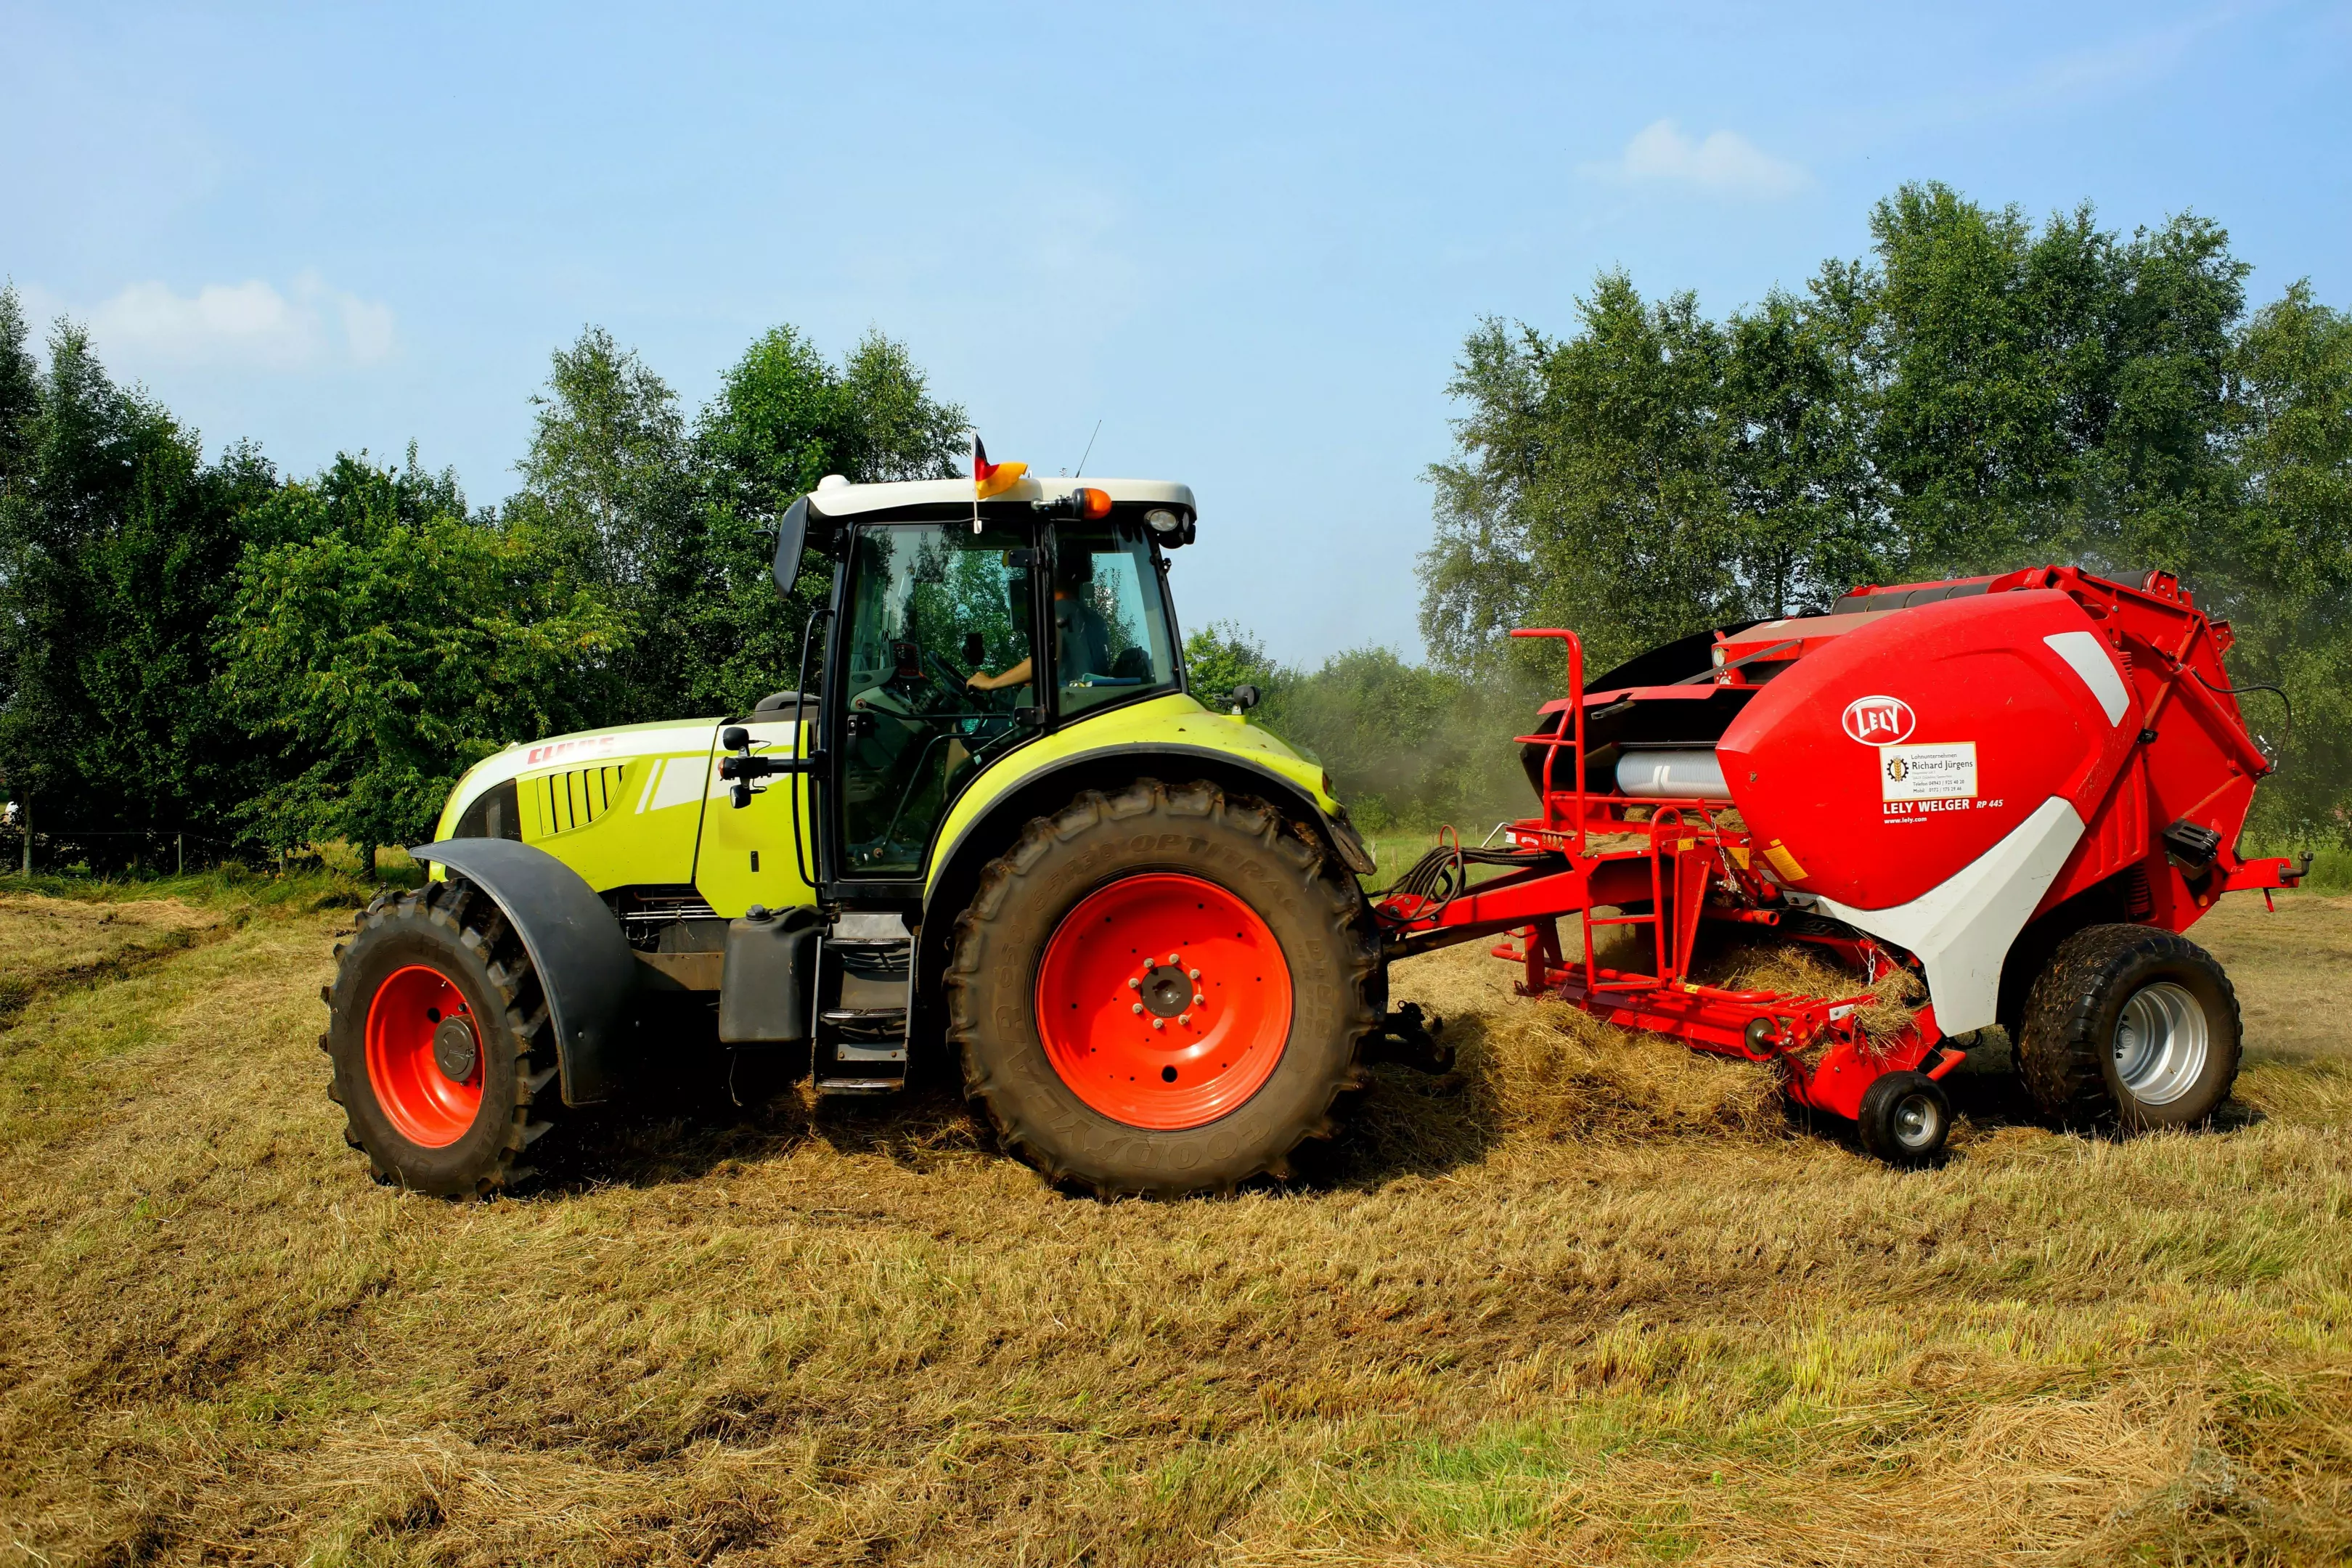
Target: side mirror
734,737
1246,696
791,539
975,648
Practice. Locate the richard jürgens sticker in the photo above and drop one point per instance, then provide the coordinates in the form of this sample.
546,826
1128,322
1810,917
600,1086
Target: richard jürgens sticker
1944,771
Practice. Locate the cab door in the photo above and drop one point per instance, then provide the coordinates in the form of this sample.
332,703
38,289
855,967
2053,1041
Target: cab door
935,680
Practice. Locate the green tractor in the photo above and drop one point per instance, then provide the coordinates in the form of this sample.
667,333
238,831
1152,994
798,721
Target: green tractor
989,819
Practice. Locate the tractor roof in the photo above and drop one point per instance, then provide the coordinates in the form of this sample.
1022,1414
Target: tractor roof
836,497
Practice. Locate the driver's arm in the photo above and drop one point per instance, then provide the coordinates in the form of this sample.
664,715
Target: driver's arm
983,681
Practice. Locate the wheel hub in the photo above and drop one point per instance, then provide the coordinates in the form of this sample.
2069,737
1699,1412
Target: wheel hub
455,1050
1164,1001
424,1057
1915,1121
2160,1043
1167,990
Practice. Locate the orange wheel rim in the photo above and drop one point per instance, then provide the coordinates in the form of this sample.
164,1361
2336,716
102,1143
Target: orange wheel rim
424,1056
1164,1001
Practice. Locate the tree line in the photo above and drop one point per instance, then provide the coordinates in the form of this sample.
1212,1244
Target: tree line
214,649
211,646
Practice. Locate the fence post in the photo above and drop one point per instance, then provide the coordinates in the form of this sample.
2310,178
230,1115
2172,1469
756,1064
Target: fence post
28,833
180,853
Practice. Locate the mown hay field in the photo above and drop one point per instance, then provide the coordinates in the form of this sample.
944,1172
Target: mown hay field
1592,1299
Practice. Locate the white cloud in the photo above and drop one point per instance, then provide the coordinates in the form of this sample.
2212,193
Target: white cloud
1724,163
242,326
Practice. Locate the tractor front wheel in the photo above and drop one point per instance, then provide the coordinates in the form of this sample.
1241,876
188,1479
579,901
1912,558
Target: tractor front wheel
1162,990
443,1056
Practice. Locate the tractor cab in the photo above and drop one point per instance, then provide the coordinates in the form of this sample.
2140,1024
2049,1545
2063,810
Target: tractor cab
959,629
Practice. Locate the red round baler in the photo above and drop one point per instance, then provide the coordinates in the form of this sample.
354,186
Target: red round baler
2022,789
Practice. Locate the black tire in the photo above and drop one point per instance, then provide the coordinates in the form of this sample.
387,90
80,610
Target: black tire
2130,1025
1314,909
1904,1118
456,930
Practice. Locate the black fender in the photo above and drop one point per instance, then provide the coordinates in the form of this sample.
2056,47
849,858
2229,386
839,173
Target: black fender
1101,767
585,967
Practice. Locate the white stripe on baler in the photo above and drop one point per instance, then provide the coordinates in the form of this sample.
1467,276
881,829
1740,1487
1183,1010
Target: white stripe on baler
2097,665
1961,928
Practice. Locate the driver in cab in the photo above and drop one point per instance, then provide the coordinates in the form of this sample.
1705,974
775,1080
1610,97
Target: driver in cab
1081,635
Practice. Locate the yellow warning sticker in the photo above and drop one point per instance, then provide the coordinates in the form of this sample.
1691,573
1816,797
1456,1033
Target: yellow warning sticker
1784,862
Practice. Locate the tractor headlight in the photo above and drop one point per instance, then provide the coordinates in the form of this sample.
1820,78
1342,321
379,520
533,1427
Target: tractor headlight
1162,521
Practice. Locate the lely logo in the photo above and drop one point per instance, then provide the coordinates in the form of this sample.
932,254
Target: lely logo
1880,721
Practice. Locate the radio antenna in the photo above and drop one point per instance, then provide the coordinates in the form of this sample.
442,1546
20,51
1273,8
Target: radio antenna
1090,451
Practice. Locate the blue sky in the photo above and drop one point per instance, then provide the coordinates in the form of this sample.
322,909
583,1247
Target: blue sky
1247,240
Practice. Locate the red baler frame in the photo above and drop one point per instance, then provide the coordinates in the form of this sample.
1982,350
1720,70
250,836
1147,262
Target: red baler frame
1690,866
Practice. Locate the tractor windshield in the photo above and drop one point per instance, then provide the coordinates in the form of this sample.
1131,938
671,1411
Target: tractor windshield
1112,637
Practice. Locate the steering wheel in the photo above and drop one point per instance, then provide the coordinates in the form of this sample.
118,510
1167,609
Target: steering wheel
935,689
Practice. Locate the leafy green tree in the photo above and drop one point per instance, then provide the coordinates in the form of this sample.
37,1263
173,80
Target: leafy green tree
1592,488
387,642
116,545
679,525
1809,514
785,418
2287,567
609,500
1221,655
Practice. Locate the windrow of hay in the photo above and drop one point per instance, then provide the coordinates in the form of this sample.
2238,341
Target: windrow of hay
1546,1072
1549,1072
45,943
38,933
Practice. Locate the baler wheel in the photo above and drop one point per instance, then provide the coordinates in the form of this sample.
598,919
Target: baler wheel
2133,1025
1904,1118
443,1056
1162,990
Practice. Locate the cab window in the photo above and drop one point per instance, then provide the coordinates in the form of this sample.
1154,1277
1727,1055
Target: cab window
1112,640
938,668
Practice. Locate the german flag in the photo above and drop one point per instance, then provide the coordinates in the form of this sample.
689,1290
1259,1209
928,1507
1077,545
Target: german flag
991,479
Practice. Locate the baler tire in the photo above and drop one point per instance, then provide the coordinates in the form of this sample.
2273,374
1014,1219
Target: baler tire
1277,880
2066,1048
1905,1118
452,930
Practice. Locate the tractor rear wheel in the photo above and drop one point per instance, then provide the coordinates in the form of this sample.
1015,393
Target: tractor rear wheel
1162,990
2130,1023
443,1056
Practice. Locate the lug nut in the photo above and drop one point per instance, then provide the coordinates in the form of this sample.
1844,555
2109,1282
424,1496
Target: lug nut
1183,1017
1135,984
1192,974
1158,1023
1175,958
1137,1008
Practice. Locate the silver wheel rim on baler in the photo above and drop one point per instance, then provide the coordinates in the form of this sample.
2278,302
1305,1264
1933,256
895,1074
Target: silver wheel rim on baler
2160,1043
1916,1121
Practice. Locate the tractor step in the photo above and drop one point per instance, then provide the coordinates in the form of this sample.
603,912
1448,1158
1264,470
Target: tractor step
851,1086
865,979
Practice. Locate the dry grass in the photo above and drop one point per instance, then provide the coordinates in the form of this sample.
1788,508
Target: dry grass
1593,1300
